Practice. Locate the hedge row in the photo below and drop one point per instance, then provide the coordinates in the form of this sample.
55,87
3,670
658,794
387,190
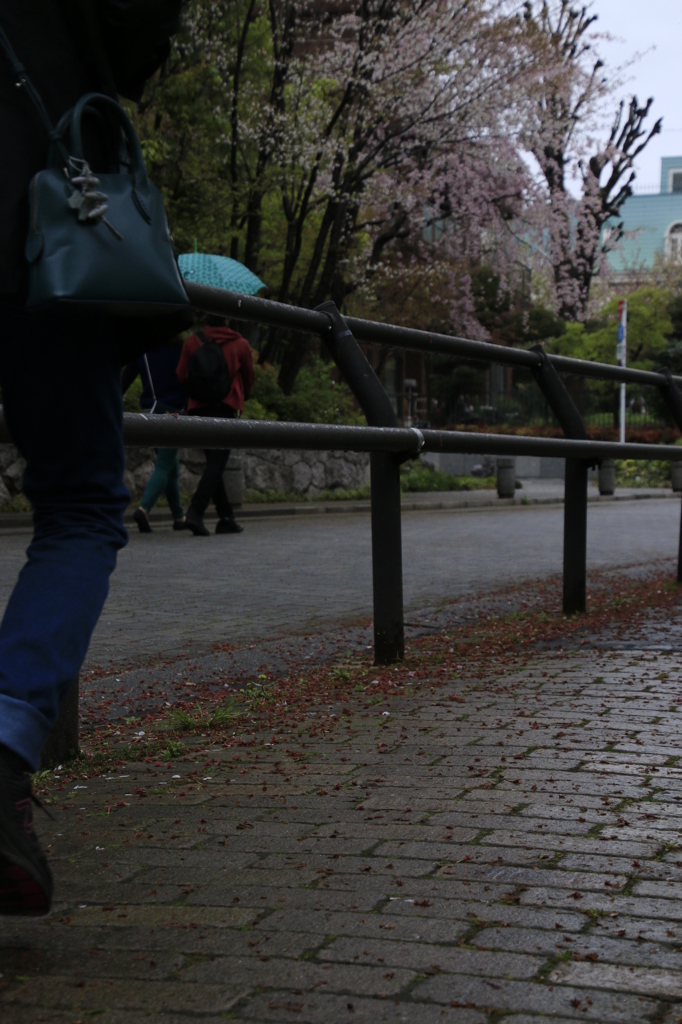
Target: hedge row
641,435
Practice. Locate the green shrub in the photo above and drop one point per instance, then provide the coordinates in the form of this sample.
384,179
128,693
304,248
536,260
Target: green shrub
635,473
253,410
316,398
131,399
19,503
413,478
418,477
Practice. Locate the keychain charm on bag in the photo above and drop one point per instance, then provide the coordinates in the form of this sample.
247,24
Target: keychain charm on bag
89,204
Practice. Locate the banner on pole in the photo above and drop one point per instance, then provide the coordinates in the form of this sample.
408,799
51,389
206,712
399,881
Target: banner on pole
621,347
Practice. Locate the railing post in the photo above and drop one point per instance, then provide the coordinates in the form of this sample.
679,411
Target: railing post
679,554
387,549
670,393
575,536
387,559
575,486
62,743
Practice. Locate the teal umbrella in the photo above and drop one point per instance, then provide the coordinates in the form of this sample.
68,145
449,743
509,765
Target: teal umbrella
219,272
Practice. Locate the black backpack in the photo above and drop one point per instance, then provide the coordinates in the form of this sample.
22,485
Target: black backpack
208,378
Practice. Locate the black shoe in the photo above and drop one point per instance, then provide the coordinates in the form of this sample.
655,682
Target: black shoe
179,524
195,523
142,521
25,877
228,526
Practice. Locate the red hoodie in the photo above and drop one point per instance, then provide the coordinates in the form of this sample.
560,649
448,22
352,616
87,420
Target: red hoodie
237,354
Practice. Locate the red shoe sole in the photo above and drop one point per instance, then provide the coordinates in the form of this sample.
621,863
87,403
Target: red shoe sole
20,893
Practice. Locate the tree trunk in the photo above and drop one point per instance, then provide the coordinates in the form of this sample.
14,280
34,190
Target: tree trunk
292,361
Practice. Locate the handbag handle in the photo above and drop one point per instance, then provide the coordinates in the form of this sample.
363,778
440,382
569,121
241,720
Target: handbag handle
99,101
71,122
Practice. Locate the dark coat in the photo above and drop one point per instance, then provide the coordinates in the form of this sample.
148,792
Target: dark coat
164,387
69,47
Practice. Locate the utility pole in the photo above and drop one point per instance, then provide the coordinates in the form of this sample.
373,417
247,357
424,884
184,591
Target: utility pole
621,356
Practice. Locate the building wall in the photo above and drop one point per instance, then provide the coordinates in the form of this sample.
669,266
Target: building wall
671,174
647,220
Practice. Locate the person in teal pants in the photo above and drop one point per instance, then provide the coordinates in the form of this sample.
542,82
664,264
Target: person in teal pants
161,393
164,480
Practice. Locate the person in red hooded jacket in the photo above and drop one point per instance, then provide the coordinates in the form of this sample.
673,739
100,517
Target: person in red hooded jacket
237,353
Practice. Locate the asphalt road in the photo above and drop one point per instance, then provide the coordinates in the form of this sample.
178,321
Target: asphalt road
281,576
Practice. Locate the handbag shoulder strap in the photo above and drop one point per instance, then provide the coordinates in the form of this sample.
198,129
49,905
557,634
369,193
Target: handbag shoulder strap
203,339
24,82
151,383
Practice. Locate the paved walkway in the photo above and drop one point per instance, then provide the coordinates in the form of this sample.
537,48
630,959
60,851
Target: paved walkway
482,850
288,575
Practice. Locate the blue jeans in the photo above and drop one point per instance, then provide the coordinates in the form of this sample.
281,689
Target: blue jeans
60,379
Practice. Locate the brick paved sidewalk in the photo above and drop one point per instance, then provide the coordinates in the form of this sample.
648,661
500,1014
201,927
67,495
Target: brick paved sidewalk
482,852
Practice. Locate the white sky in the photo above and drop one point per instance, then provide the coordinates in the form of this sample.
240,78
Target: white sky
641,25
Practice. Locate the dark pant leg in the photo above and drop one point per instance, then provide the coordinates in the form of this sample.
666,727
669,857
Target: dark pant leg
211,479
211,487
60,378
220,498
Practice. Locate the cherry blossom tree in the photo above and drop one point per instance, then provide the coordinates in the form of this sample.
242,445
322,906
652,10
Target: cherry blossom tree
353,143
571,131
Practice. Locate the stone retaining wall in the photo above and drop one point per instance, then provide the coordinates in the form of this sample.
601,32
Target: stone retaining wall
11,473
306,473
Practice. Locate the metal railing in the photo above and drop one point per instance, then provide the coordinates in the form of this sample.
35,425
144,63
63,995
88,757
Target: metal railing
389,445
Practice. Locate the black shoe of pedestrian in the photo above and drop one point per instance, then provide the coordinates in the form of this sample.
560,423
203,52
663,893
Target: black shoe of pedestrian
179,524
228,526
25,876
142,521
195,523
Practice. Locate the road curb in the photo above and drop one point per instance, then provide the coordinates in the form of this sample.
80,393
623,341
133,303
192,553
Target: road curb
439,501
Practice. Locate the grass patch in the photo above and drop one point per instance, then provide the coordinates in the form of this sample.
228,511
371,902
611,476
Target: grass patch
186,720
19,503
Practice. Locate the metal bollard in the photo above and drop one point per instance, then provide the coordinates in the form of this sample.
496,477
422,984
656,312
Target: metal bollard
676,475
387,559
679,555
575,536
62,743
506,477
607,476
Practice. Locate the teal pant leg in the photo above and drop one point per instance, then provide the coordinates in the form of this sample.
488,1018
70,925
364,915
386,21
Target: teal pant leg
164,479
173,485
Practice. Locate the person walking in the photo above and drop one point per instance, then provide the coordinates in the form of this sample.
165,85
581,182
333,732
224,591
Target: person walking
238,385
162,393
60,374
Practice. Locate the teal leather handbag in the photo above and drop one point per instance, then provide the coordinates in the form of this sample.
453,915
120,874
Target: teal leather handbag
97,240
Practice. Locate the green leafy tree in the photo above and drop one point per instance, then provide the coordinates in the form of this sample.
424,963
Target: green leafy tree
649,328
648,344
